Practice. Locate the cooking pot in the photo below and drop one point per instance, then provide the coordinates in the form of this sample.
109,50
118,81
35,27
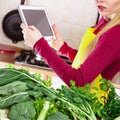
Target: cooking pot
11,25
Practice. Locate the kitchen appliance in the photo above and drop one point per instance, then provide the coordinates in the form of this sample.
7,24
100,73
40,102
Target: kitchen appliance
11,25
31,58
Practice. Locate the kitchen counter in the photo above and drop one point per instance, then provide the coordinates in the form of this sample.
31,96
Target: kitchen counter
32,69
9,58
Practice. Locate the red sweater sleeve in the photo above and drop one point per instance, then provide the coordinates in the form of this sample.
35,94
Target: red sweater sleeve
68,51
103,56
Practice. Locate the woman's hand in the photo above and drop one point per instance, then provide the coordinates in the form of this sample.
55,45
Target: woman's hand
58,42
31,34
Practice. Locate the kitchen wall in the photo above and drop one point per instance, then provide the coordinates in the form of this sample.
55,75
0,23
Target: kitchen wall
72,17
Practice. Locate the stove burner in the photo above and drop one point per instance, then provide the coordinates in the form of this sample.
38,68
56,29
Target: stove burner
30,58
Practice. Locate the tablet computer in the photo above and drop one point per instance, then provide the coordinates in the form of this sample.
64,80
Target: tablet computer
37,16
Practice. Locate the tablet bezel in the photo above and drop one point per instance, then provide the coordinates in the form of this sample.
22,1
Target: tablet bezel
34,7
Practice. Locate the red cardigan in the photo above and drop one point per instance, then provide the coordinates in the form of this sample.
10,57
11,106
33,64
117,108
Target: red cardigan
105,58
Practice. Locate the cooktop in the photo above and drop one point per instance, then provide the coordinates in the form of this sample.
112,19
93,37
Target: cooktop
30,58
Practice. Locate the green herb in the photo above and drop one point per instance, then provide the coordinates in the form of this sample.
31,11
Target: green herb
111,110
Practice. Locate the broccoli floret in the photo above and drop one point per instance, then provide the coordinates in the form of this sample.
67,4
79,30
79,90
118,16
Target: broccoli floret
22,111
58,116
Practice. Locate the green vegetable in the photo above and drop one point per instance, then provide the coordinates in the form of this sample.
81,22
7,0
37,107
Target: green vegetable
14,87
39,106
58,116
44,111
10,76
22,111
75,104
7,101
111,110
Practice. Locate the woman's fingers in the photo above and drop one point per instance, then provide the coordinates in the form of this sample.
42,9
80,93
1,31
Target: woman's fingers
23,26
57,34
32,27
24,29
55,29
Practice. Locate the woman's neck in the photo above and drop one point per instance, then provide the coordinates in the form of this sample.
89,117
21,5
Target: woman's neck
111,16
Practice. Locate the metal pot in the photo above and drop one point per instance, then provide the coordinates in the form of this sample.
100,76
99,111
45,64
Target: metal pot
11,25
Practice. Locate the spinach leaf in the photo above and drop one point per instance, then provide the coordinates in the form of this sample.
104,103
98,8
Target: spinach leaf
8,75
9,100
14,87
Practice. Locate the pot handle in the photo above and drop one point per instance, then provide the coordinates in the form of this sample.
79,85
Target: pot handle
22,2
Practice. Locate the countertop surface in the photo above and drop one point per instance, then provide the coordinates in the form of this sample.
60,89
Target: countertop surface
9,58
8,55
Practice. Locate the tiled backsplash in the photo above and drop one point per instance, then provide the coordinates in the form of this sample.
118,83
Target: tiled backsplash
72,17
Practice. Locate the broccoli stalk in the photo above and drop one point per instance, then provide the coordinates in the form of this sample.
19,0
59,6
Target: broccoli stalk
44,111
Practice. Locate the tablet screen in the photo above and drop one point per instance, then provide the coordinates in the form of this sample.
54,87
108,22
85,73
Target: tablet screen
38,18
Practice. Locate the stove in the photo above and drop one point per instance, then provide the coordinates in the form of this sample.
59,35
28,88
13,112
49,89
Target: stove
31,58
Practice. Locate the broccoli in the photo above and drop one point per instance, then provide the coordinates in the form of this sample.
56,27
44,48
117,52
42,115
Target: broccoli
58,116
22,111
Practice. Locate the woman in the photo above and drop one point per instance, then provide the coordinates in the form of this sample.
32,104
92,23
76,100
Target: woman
100,55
